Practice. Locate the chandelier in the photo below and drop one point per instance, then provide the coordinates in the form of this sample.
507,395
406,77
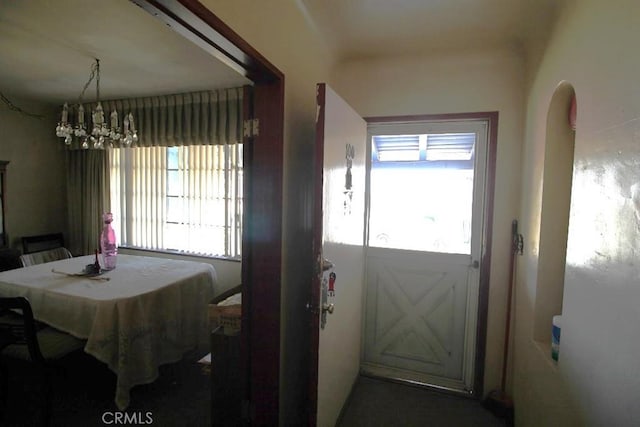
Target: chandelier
101,134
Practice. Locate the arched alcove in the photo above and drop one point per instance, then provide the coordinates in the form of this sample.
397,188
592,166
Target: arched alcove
554,219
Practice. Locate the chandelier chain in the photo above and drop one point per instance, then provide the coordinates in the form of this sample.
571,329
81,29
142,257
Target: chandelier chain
98,80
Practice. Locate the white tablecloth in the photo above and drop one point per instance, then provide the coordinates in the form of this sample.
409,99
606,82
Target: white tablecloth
150,312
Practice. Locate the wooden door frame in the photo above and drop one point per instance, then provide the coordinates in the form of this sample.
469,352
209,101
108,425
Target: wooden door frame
262,215
491,118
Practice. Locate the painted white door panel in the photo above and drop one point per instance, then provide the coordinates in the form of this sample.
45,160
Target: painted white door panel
340,202
416,307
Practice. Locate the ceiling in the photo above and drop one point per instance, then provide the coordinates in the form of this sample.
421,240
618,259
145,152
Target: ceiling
374,28
47,48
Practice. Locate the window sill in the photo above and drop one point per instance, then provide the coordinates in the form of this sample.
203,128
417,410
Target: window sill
179,254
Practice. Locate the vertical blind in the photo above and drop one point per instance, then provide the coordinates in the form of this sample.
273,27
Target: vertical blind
186,199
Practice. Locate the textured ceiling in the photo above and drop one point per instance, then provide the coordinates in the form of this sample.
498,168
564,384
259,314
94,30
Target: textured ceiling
374,28
47,48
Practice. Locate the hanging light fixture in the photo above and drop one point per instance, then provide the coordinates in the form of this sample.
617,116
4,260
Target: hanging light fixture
102,134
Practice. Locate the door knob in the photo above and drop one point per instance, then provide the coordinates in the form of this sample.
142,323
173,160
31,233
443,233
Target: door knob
327,308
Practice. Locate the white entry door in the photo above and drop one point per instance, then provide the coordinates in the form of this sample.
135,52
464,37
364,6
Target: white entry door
426,202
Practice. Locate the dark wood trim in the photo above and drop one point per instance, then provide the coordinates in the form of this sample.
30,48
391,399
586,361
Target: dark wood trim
262,228
246,269
314,297
262,268
485,263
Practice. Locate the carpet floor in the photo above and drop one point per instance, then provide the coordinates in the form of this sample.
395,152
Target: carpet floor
83,392
377,402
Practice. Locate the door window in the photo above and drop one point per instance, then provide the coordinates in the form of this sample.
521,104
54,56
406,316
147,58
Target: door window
422,191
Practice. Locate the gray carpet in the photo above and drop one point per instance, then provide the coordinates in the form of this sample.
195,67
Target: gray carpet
84,390
381,403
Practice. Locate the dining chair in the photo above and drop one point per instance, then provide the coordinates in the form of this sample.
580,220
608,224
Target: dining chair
42,242
22,339
44,256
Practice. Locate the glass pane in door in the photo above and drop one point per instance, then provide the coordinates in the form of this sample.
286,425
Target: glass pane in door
422,192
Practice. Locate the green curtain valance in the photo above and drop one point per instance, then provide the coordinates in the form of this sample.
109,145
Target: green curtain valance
212,117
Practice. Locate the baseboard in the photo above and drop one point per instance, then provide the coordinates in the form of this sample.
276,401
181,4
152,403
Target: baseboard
418,384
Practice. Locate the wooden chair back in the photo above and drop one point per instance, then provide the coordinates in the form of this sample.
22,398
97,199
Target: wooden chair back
42,242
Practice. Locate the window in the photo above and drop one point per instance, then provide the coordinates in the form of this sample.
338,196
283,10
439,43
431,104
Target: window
421,190
436,147
186,199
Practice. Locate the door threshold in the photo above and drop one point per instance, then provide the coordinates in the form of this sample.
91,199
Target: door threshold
420,384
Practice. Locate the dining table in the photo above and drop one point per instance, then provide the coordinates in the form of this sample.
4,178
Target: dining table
144,313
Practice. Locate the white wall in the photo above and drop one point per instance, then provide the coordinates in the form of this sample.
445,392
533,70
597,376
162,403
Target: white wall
597,380
453,83
281,33
36,181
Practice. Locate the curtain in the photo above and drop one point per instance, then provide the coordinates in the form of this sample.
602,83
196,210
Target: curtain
210,117
87,196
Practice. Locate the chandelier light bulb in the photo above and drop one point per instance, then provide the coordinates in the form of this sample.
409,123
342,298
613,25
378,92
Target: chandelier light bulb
114,119
64,130
65,113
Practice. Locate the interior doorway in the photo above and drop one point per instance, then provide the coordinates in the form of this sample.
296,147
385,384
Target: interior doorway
263,169
430,188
